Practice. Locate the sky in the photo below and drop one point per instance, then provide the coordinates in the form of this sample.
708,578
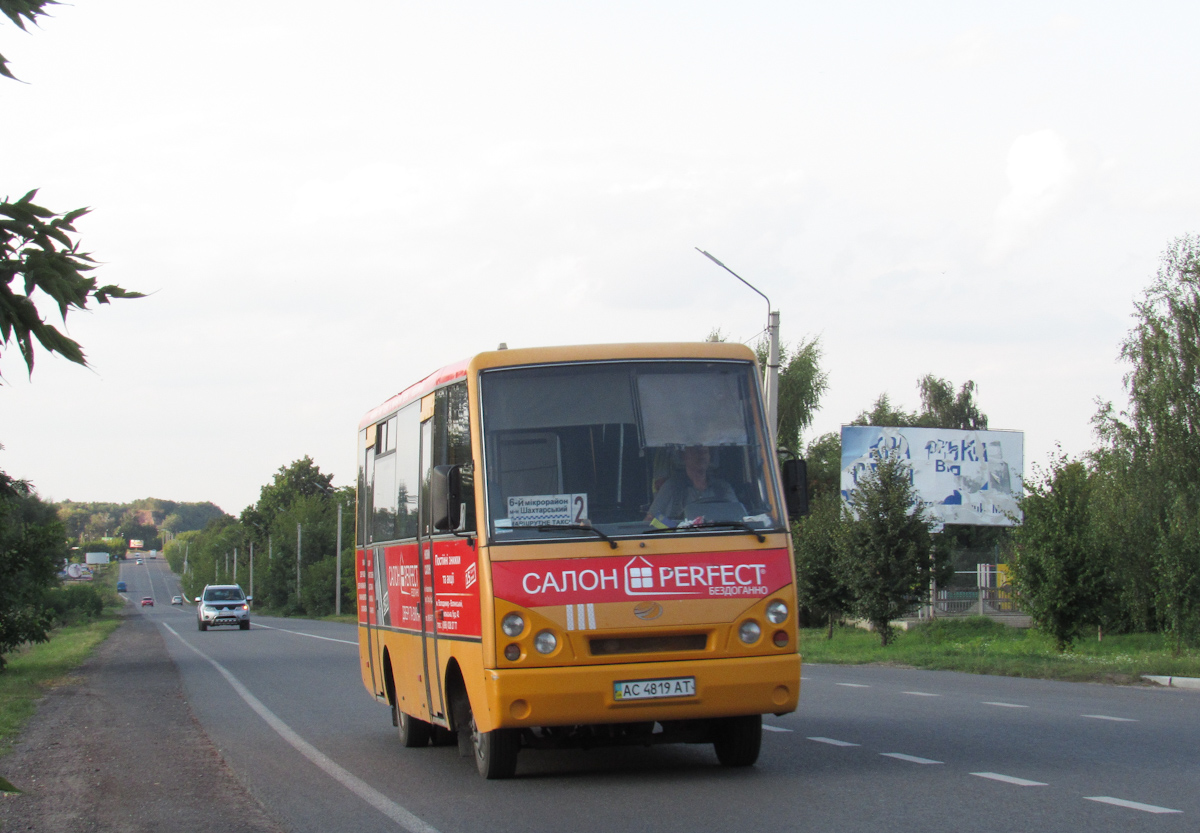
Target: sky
325,206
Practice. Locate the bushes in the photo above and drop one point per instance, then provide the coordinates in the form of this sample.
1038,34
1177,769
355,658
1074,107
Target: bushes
73,602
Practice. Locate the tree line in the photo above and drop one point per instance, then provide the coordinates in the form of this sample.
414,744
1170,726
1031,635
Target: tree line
295,515
1111,538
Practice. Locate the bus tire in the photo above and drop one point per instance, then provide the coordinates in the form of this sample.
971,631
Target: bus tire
414,732
495,751
737,740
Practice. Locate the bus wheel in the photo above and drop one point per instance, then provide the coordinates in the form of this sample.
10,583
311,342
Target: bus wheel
414,732
738,740
495,751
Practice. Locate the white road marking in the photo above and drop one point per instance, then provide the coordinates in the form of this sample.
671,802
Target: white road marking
351,782
776,728
1004,705
1008,779
301,633
833,742
854,685
920,694
912,759
1109,717
1132,805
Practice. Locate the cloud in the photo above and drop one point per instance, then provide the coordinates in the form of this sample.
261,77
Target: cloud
1040,174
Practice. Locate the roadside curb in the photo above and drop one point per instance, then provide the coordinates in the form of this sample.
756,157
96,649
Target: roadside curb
1174,682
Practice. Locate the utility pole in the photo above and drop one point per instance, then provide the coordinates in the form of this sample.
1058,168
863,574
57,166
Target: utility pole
235,565
337,582
251,593
772,369
297,564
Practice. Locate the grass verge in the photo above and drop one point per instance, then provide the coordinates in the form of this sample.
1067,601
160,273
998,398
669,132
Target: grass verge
981,646
35,668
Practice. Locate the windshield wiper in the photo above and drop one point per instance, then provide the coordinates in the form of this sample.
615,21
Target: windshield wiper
581,527
710,525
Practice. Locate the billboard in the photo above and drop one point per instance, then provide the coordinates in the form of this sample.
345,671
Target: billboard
96,557
964,477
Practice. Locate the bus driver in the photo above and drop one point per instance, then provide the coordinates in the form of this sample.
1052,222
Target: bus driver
691,485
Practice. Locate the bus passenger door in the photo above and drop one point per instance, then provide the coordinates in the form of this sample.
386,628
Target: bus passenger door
429,642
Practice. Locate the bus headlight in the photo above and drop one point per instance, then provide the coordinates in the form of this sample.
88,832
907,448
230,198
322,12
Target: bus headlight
749,632
545,642
776,612
512,625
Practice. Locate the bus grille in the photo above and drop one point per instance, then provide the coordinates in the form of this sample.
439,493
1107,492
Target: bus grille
648,644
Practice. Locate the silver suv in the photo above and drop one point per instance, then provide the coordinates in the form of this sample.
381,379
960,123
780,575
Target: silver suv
223,604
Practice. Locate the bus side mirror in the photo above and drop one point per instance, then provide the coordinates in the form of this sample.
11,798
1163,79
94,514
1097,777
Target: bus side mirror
795,487
445,488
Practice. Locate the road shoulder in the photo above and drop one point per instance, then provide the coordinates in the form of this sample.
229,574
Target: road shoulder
117,748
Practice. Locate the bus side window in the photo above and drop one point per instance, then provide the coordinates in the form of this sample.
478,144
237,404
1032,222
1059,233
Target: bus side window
408,475
452,443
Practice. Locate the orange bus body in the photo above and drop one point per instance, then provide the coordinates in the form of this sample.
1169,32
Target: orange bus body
532,621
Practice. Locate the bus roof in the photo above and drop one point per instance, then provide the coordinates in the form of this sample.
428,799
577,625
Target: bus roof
548,355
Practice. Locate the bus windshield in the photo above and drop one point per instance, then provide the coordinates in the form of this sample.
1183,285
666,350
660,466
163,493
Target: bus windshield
625,448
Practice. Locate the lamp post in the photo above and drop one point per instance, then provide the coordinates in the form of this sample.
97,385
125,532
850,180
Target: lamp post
337,593
772,374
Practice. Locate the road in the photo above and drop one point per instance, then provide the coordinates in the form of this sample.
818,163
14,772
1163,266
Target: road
871,749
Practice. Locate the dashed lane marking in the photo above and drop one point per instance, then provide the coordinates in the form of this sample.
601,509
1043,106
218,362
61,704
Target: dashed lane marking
301,633
1132,805
775,728
833,742
1110,717
912,759
854,685
920,694
1009,779
1004,705
356,785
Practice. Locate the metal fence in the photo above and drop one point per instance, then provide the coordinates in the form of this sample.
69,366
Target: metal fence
984,591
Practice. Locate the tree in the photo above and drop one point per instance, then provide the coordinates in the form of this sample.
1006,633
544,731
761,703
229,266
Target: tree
20,12
821,593
885,414
941,408
303,478
1155,446
824,457
32,548
888,557
801,385
1059,565
36,246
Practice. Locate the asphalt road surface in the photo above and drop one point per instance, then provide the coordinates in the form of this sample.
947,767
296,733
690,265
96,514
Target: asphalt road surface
870,749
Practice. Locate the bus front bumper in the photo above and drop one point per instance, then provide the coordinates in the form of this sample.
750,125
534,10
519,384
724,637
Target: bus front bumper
588,694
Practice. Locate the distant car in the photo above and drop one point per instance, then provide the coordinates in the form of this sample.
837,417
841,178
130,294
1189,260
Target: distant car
177,600
223,604
120,587
147,601
139,561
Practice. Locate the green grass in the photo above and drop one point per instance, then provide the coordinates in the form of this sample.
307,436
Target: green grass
32,670
981,646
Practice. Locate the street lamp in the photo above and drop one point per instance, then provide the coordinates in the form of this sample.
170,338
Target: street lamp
772,380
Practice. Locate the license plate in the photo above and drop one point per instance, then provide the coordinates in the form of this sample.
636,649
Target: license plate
624,690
